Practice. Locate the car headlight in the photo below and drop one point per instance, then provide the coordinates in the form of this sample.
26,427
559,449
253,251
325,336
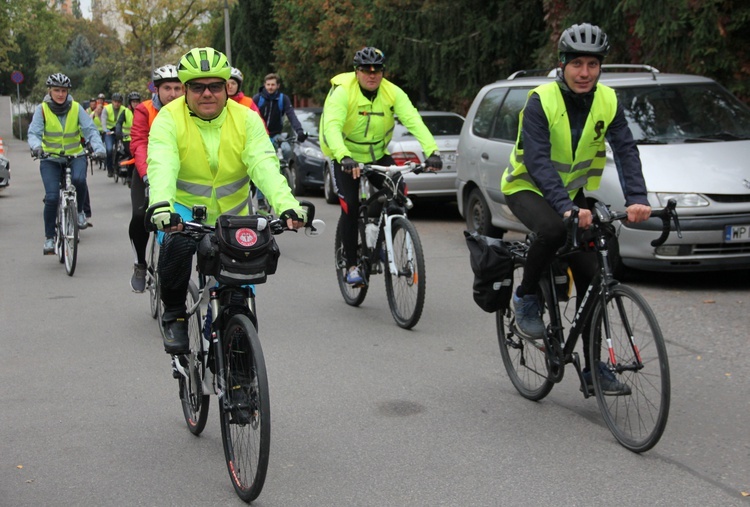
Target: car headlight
313,153
683,200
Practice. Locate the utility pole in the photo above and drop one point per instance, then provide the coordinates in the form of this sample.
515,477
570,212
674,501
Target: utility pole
227,38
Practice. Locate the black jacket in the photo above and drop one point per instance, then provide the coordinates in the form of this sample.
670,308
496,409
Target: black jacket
271,114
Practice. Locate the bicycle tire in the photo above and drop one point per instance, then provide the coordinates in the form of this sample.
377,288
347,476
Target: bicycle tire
636,420
59,235
525,361
152,282
70,236
195,404
245,424
354,296
406,291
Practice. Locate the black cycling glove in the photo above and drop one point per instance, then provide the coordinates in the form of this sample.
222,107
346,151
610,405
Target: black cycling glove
348,164
301,137
434,161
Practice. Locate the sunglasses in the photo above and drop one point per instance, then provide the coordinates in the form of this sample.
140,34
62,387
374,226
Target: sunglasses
200,88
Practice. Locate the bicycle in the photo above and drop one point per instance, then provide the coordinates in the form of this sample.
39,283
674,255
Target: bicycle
625,337
66,218
388,243
152,273
226,358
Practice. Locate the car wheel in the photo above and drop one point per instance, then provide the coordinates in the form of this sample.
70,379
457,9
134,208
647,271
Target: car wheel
478,216
328,187
295,182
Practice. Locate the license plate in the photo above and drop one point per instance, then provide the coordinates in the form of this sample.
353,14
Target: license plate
737,233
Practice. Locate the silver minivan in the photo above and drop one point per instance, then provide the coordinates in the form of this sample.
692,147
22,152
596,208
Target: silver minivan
694,140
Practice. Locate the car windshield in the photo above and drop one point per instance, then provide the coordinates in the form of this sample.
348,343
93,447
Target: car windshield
438,125
310,121
669,114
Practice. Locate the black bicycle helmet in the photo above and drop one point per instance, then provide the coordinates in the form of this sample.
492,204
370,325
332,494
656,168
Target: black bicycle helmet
584,39
117,97
369,56
133,96
59,80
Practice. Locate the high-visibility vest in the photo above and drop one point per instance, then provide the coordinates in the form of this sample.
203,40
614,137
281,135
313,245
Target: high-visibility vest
111,118
59,140
127,124
582,169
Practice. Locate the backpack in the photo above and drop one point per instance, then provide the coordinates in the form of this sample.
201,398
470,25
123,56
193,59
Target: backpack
280,100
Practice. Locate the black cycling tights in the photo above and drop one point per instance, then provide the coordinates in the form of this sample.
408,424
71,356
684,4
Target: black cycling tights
175,261
348,191
137,229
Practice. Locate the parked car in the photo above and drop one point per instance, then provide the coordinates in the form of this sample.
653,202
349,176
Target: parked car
4,172
694,141
306,164
404,147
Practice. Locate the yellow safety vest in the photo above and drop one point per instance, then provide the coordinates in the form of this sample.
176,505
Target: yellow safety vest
580,170
111,117
59,140
225,191
127,124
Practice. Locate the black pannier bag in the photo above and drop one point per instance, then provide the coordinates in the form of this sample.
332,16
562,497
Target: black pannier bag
492,264
242,251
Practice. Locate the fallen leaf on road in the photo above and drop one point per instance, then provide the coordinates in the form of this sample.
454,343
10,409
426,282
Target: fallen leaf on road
745,493
709,301
19,466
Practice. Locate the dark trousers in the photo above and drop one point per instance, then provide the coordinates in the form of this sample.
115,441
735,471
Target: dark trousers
52,171
137,229
348,191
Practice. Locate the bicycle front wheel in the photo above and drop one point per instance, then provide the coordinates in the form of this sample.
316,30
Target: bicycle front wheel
245,408
70,237
194,403
151,275
59,231
406,289
635,354
353,295
524,360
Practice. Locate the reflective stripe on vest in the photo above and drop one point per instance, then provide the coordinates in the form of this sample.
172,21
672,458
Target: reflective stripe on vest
58,140
225,191
585,168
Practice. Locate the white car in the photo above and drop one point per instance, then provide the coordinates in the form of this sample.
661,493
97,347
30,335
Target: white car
694,141
404,147
4,172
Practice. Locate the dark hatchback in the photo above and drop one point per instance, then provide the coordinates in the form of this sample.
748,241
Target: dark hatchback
307,166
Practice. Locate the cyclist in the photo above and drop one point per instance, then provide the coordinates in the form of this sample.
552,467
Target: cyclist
356,127
204,150
110,112
560,151
168,88
123,127
273,105
56,128
234,90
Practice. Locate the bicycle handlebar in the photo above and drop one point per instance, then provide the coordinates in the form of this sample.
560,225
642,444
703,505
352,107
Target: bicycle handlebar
410,167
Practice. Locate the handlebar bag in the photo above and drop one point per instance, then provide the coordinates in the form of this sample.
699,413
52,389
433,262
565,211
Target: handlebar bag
247,251
492,264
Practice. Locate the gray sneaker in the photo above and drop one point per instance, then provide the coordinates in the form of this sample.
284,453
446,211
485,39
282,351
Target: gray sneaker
82,223
528,319
138,280
49,246
611,386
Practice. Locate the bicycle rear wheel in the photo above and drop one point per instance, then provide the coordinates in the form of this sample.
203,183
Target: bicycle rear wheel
194,403
353,296
245,408
406,289
70,236
638,359
525,361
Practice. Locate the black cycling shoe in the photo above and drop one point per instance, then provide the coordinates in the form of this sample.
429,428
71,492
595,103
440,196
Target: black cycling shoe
176,339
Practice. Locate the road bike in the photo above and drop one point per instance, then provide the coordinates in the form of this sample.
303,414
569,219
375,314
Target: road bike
624,337
226,358
66,218
388,243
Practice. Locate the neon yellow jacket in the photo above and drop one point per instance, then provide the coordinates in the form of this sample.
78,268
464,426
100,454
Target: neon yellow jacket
193,161
353,126
580,170
58,139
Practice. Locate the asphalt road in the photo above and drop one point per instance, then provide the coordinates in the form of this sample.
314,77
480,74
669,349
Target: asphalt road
364,413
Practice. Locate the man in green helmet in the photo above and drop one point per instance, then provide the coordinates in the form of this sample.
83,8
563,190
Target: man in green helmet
205,149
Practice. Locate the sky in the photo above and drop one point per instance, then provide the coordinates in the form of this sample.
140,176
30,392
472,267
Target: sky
86,8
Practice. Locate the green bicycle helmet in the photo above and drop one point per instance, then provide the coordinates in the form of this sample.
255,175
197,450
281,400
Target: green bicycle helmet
203,62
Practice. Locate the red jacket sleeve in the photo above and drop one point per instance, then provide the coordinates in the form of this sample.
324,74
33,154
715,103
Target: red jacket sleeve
139,139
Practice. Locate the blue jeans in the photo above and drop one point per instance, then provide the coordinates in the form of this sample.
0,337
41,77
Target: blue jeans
109,143
53,171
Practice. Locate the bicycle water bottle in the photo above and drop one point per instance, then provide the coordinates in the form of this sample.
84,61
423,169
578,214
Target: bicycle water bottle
371,234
